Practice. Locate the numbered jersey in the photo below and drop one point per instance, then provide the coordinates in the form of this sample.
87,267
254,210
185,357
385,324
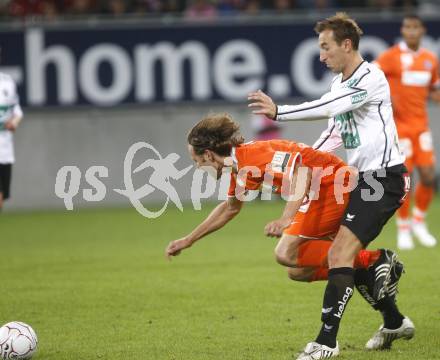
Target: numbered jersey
360,118
411,75
269,163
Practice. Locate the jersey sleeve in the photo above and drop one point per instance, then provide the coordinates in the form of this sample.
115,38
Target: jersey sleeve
17,111
335,102
330,138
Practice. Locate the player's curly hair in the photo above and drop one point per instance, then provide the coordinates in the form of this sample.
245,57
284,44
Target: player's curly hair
343,28
215,132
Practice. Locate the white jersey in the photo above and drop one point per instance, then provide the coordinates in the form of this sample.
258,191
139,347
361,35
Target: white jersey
9,107
360,118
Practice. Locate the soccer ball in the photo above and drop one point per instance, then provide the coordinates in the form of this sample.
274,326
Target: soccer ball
17,341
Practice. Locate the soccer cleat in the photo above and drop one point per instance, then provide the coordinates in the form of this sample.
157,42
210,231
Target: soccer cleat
404,240
384,337
381,272
422,234
396,272
315,351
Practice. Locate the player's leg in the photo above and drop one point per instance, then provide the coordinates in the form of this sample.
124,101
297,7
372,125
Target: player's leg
5,181
305,244
288,252
404,237
363,222
306,259
424,193
395,324
307,274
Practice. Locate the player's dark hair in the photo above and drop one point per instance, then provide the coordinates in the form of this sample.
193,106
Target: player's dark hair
343,28
215,132
411,16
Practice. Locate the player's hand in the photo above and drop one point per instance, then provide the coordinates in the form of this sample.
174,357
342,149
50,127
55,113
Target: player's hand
262,104
175,247
435,96
10,125
275,228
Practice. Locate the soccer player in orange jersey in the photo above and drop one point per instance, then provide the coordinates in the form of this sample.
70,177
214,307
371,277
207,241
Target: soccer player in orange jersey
413,75
316,181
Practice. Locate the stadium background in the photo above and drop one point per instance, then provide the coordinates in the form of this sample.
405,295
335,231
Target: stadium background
93,87
94,283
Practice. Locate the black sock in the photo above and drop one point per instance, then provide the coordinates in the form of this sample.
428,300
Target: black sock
337,294
392,318
364,282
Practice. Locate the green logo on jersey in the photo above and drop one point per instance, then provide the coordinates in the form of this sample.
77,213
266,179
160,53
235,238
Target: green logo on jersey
348,130
357,98
351,82
4,115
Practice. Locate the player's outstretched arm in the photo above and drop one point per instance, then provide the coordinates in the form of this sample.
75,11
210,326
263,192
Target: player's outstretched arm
298,189
333,103
219,217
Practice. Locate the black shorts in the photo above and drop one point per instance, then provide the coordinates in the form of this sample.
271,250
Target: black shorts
374,201
5,179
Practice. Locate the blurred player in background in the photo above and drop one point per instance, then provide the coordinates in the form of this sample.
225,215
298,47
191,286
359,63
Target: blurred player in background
265,128
10,116
309,220
413,75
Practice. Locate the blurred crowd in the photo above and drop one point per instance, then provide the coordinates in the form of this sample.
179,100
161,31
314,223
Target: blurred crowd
193,9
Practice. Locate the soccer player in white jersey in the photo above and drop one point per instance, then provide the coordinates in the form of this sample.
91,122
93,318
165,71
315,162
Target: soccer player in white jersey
10,116
358,107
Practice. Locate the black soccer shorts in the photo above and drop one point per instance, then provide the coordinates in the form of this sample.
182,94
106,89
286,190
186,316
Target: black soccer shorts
368,211
5,180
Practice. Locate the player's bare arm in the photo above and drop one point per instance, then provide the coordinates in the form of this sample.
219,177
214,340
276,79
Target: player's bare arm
13,122
435,95
299,188
219,217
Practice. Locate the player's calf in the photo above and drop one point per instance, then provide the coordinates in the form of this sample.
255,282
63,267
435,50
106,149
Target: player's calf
301,274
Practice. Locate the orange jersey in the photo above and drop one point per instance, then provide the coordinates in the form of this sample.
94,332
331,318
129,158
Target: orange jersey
411,76
261,163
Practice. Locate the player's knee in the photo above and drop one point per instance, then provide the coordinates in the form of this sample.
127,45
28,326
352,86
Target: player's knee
297,274
283,257
333,255
337,256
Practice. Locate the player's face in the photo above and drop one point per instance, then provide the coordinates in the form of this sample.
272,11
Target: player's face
330,53
412,31
207,161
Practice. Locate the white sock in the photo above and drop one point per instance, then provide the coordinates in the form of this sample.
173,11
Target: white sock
403,224
418,215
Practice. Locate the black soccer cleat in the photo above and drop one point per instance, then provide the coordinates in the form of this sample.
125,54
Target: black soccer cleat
382,271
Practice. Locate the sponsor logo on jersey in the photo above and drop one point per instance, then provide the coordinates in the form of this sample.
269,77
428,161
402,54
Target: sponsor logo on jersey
279,161
357,98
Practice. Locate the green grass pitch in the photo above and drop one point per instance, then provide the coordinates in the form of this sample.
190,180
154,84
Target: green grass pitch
95,284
